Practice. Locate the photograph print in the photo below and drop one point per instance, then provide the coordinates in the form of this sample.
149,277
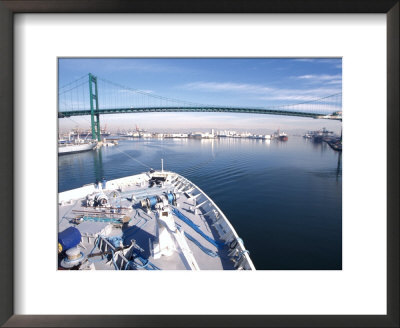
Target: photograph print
199,164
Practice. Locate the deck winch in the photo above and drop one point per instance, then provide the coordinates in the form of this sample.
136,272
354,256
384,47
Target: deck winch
99,199
164,199
73,258
158,181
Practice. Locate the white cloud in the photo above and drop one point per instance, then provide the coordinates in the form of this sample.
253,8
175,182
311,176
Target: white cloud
305,60
322,108
322,77
303,95
266,92
319,60
134,91
228,86
284,96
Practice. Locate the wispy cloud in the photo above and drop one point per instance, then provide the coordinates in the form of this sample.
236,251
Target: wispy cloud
320,60
336,62
228,86
320,79
307,60
291,95
128,91
263,92
314,108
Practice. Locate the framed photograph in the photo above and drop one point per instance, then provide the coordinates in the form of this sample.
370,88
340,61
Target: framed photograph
253,150
138,145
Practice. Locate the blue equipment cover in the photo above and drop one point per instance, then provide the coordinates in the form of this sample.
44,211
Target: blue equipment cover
69,238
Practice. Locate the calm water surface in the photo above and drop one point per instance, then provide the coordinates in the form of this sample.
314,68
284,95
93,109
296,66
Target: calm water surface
284,199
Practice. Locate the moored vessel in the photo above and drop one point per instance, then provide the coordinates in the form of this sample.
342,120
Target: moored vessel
335,144
69,148
282,136
319,135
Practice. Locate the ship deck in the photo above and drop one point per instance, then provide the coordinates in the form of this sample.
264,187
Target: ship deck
211,247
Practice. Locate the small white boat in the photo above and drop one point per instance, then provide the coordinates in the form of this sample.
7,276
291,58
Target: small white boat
69,148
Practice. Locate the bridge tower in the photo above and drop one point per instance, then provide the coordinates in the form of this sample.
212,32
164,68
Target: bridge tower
94,108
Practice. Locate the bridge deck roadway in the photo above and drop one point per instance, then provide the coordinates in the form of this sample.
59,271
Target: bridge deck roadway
243,110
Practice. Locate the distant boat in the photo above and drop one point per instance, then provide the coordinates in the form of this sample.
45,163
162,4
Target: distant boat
88,134
309,135
335,144
129,135
203,135
282,136
319,135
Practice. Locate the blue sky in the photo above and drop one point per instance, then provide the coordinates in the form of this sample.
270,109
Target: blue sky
255,82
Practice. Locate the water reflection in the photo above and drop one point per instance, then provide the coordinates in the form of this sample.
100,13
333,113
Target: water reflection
339,166
297,181
98,164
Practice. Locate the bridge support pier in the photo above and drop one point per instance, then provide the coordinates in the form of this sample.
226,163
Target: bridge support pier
94,108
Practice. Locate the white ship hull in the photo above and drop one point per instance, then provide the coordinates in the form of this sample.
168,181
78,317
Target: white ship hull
76,148
189,233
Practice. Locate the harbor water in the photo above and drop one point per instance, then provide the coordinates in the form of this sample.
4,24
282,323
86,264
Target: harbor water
284,198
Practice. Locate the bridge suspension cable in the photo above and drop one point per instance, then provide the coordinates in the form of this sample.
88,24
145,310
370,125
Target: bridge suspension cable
116,98
75,81
125,89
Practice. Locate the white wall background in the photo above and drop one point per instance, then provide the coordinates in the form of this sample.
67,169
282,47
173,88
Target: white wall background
360,288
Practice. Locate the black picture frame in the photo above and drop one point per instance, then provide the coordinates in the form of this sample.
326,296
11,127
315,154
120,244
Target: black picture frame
7,10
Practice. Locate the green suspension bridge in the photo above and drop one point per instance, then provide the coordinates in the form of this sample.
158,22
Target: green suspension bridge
83,96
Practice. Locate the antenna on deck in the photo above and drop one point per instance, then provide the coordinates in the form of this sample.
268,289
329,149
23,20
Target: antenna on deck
162,165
